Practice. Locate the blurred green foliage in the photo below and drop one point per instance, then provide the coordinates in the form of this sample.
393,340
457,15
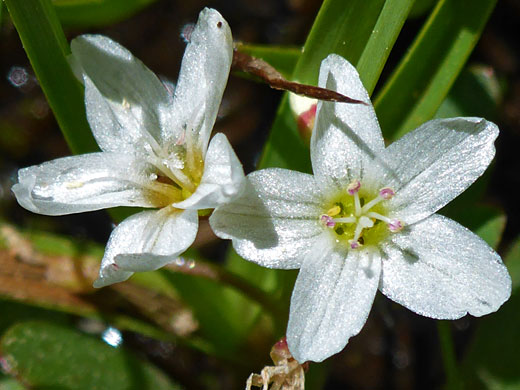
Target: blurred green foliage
97,13
51,356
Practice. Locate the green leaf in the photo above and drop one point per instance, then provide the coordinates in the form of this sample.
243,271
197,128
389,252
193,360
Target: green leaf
221,322
477,92
382,39
420,8
53,356
46,47
19,312
10,384
488,222
512,260
97,13
422,80
270,280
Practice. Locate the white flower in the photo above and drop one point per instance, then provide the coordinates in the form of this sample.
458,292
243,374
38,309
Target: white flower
365,221
155,151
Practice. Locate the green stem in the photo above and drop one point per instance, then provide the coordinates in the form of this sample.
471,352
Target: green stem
448,355
46,46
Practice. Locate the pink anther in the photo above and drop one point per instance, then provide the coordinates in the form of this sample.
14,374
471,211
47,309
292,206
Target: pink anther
395,225
328,221
354,245
386,193
354,187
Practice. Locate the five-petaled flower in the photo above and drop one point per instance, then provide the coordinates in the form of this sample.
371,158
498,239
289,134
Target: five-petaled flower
365,221
155,151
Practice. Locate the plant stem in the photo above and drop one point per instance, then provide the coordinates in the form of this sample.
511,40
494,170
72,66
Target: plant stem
448,355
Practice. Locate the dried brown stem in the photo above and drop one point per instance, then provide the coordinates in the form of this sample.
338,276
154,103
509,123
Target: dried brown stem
258,67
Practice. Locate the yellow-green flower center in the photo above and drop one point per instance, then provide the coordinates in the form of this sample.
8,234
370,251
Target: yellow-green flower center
358,217
177,176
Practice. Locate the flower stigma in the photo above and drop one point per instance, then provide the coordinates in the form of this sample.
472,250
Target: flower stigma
358,217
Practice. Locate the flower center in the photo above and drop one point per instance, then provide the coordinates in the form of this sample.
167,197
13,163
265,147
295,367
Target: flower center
179,171
359,217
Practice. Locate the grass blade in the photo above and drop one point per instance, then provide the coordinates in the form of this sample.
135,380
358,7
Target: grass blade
425,75
45,44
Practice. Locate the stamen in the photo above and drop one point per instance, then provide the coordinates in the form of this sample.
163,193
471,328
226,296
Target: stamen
361,217
357,204
182,138
386,193
345,220
395,226
175,175
354,187
357,232
371,204
354,244
334,211
379,216
327,221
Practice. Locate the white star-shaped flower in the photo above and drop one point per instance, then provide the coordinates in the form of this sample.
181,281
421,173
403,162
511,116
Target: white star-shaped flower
155,151
365,221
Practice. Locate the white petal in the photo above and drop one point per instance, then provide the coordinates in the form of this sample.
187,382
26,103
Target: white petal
127,105
346,137
203,76
275,220
439,269
145,242
331,300
436,162
222,180
88,182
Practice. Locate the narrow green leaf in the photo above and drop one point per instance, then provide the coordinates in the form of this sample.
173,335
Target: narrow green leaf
420,8
46,47
54,356
339,28
477,92
97,13
425,75
376,51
